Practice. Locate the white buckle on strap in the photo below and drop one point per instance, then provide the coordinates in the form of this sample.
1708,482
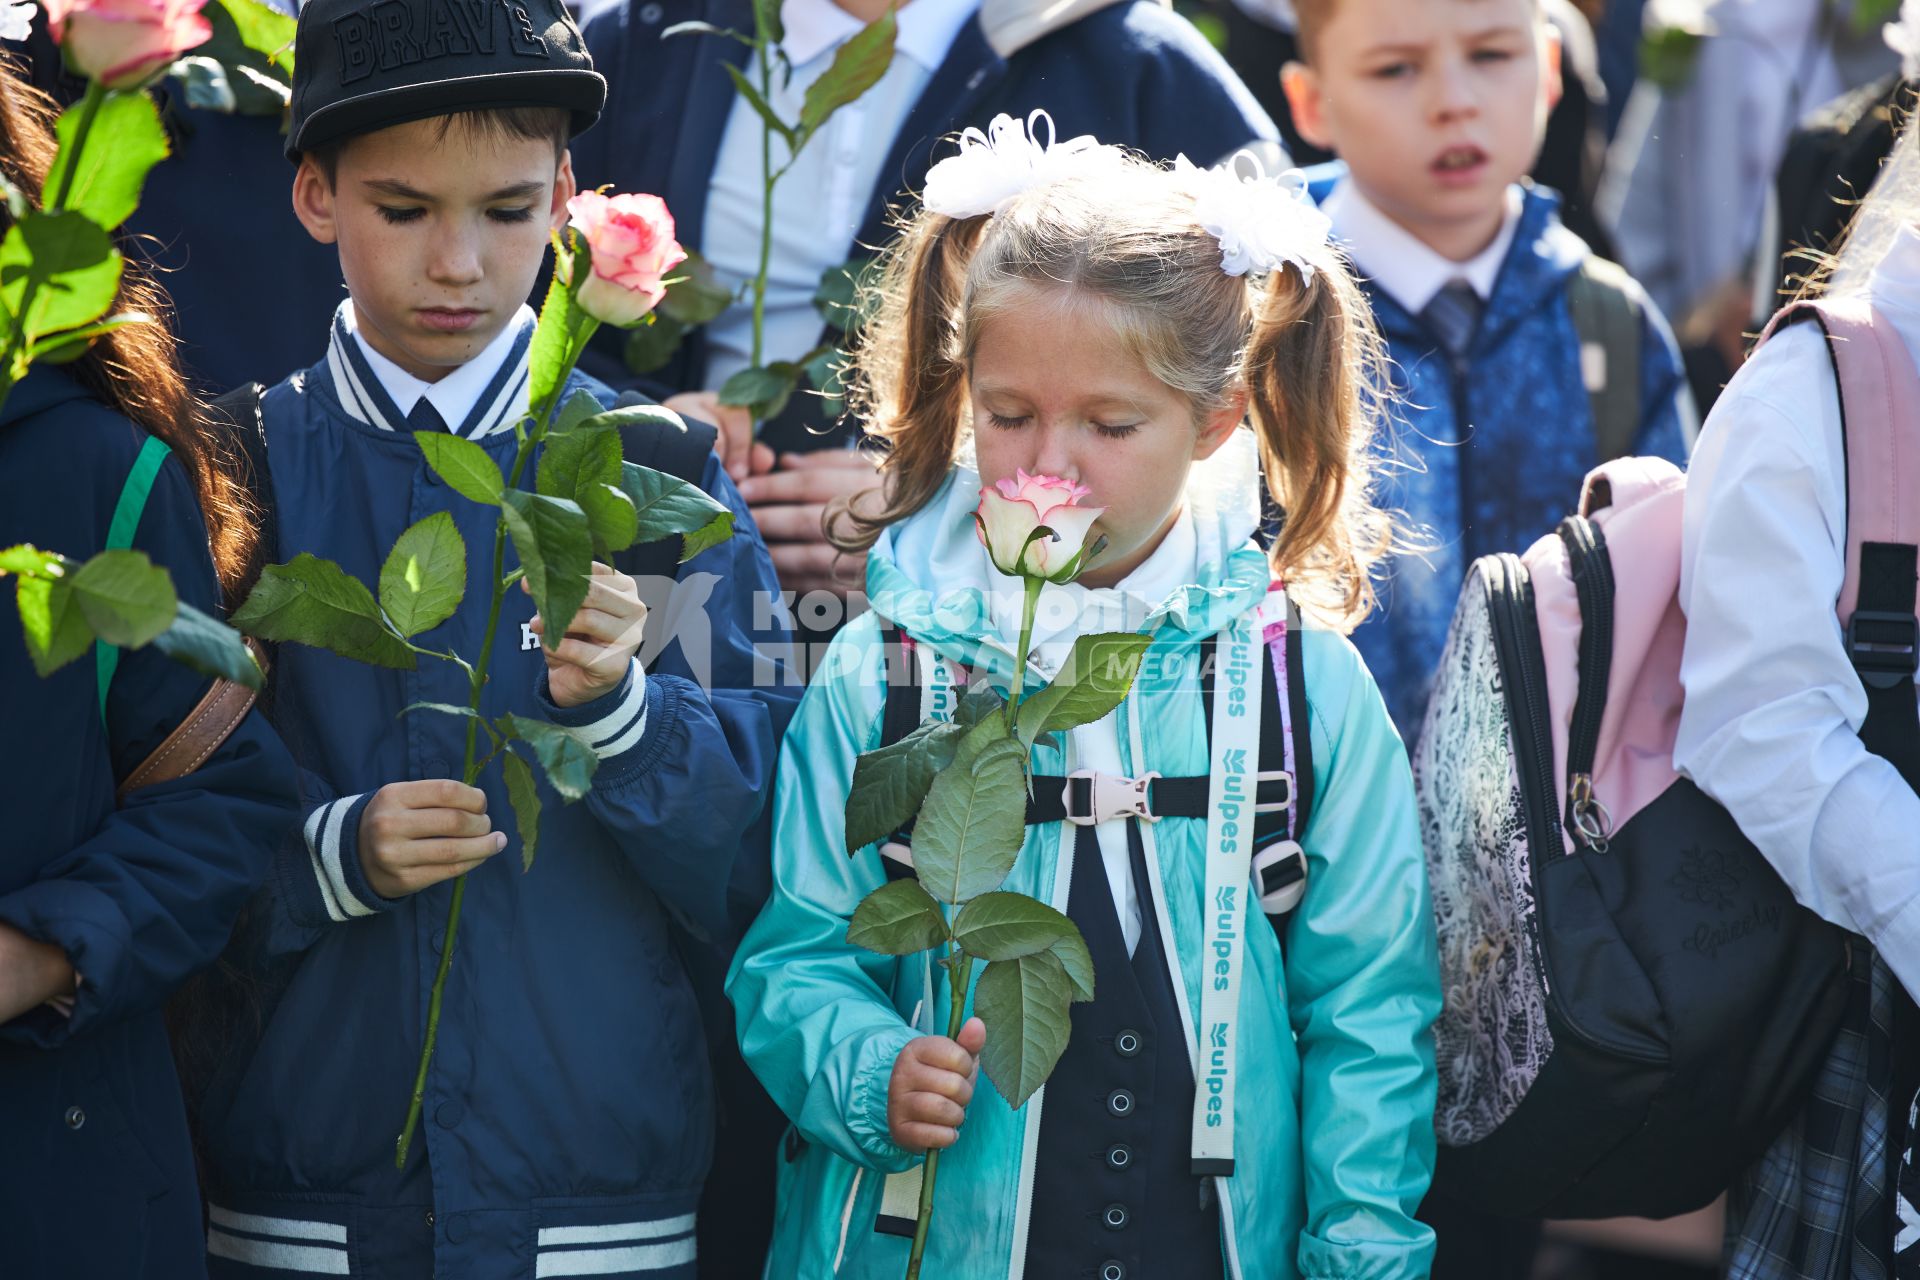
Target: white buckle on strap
1113,797
1275,775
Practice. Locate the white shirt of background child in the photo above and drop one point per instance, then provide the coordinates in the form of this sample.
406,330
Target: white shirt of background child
1773,708
1071,610
454,395
1398,262
820,205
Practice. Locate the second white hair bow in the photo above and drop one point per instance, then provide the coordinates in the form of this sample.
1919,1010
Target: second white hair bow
994,167
1261,222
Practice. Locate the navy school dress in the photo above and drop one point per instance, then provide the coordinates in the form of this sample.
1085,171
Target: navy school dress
96,1174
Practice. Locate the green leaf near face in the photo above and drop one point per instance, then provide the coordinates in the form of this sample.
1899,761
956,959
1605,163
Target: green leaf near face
856,68
29,561
763,392
583,465
1093,681
55,631
1007,926
696,297
73,263
315,602
579,406
667,505
524,796
124,597
126,141
897,919
1025,1005
890,784
768,116
555,545
262,29
209,646
973,824
467,468
425,575
650,347
553,333
565,757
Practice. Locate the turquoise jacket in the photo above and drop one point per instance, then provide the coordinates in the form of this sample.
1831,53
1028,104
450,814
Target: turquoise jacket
1334,1113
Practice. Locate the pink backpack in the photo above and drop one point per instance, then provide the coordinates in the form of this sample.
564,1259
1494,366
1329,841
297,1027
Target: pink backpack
1635,1004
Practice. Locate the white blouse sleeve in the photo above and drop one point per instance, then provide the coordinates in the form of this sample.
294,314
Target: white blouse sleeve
1773,709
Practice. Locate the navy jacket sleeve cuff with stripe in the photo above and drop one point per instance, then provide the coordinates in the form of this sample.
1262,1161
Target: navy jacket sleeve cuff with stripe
321,879
614,724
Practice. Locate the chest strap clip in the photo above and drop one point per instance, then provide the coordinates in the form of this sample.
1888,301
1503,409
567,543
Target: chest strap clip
1092,798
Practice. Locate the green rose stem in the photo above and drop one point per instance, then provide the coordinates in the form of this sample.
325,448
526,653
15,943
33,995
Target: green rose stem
959,964
89,111
541,416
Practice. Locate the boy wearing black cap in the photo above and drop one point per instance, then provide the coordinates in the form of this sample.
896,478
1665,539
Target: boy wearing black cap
567,1120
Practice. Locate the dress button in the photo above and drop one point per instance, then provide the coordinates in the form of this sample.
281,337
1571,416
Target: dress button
1115,1217
651,13
75,1117
1113,1269
1119,1156
1127,1044
449,1114
429,1217
1120,1102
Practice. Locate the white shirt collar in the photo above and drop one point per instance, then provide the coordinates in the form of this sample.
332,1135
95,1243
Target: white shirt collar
927,28
1397,261
453,396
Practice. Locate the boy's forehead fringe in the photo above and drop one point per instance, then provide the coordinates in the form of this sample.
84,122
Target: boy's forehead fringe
1312,16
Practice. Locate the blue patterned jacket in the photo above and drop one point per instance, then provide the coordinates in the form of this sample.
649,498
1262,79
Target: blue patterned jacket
1488,453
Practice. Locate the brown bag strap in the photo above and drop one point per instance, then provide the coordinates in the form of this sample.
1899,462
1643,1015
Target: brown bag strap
210,723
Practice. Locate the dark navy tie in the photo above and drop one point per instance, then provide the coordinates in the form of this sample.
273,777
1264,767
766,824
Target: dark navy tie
425,417
1453,315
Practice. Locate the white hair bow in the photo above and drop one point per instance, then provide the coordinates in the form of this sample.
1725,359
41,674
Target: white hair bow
994,167
1261,222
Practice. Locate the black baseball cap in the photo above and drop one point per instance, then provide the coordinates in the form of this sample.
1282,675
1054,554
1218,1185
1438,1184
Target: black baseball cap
362,65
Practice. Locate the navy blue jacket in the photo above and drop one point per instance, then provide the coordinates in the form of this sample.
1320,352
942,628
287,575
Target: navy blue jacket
97,1178
568,1107
1133,73
1489,451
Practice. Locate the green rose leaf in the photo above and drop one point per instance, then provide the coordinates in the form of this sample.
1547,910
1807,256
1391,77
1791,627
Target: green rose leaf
973,823
555,545
565,757
55,631
425,575
651,346
557,335
1007,926
1071,951
979,701
984,732
898,919
127,141
315,602
856,68
696,296
1093,681
524,796
125,599
584,465
29,561
763,392
467,468
262,29
890,784
72,262
770,118
667,505
579,406
827,372
766,14
209,646
1024,1003
71,344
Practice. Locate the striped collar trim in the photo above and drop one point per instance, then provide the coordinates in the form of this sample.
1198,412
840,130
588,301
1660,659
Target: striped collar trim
499,405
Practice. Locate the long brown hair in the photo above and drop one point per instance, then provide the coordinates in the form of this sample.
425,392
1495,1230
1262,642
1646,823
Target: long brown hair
135,369
1303,350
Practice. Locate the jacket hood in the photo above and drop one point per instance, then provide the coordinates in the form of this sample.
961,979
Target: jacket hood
1012,25
930,575
42,389
1543,255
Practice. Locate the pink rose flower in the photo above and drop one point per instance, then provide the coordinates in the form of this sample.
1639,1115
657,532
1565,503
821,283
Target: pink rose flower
1007,518
631,240
125,43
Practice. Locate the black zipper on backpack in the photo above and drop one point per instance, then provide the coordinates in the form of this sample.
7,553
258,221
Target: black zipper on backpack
1586,816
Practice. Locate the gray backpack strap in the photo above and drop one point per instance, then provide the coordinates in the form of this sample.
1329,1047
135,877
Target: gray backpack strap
1608,315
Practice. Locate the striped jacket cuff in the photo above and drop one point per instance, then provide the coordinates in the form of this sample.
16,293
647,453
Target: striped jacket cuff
334,885
614,723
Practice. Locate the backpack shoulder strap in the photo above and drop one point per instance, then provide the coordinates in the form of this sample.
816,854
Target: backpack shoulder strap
238,411
1878,388
681,453
1299,722
1607,316
120,530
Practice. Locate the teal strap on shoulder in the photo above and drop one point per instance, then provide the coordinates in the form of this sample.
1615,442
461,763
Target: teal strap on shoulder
126,520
